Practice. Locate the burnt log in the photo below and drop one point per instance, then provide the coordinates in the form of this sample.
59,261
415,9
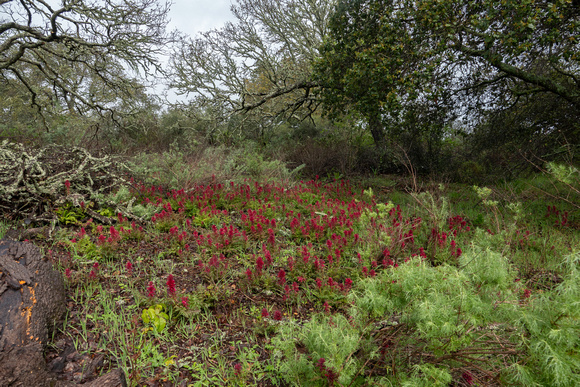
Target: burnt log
32,301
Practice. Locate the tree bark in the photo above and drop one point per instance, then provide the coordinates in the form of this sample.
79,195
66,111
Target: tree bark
377,129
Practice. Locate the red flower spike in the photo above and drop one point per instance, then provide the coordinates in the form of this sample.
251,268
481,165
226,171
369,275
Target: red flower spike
295,287
237,369
348,283
170,285
151,290
259,265
281,277
331,377
467,377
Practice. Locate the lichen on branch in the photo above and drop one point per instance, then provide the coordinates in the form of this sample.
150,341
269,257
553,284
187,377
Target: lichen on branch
33,182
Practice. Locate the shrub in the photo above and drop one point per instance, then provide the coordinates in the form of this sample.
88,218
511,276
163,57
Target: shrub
329,343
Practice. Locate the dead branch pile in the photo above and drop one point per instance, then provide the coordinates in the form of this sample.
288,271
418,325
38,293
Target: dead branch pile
33,182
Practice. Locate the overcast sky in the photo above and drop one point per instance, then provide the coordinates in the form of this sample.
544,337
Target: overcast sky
193,16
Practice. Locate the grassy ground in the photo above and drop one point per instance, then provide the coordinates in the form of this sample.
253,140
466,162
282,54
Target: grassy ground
227,283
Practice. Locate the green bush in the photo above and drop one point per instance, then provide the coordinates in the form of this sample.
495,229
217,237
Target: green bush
330,344
175,169
422,325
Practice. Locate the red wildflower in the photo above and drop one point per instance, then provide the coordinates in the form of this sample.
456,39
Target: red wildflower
170,285
331,377
151,290
281,277
259,265
467,377
348,283
237,369
271,237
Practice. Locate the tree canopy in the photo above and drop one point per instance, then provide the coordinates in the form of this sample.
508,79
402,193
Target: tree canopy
260,63
384,56
77,55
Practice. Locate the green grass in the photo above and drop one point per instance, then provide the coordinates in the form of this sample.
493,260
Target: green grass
4,227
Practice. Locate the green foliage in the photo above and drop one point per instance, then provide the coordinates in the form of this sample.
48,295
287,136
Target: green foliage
4,227
143,211
174,169
470,171
443,311
87,249
489,270
68,214
436,207
122,195
417,315
484,194
553,341
155,316
333,339
106,211
426,374
396,64
567,174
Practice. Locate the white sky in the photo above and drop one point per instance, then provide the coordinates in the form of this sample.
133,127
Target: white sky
193,16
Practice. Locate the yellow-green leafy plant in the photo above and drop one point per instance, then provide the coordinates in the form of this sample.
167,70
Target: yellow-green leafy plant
155,317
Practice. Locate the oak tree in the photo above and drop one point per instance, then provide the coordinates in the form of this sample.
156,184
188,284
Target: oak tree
82,55
261,63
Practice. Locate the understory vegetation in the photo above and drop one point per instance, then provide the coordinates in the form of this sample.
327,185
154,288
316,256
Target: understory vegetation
229,269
